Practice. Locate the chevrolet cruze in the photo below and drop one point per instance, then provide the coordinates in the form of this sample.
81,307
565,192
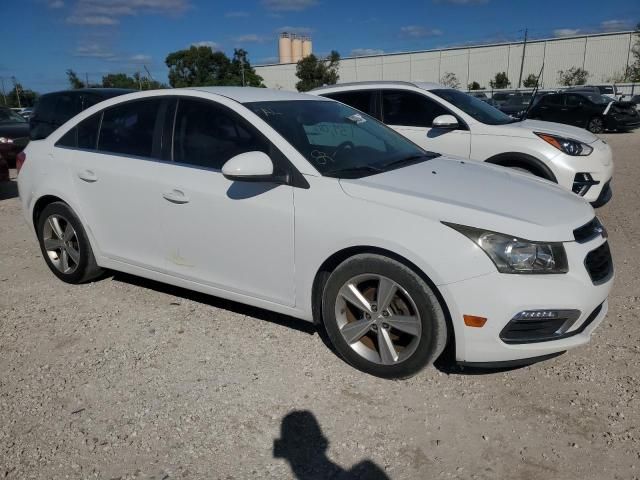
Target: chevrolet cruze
305,206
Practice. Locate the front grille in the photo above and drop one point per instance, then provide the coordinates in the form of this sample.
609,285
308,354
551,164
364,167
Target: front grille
599,264
589,231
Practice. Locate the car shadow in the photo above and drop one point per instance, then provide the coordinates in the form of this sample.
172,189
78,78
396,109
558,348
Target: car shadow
303,445
217,302
8,190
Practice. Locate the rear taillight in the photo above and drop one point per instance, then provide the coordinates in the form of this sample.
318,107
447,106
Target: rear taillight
20,159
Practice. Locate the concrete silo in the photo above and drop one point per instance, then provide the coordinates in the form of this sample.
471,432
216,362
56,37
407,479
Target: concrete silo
296,48
306,47
284,48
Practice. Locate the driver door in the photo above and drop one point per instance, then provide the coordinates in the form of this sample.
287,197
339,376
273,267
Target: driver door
411,114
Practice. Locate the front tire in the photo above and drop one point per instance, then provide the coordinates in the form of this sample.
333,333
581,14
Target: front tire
382,317
64,244
596,125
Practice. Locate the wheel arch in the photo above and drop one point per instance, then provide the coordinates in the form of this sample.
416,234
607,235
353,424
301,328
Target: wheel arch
40,205
340,256
519,159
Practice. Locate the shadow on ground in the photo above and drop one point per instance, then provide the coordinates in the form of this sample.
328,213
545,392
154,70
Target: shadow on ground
303,445
8,190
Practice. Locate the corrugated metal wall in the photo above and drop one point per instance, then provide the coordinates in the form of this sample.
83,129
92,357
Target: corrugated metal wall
603,56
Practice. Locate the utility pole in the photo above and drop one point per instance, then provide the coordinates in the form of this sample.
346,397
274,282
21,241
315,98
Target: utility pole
524,49
4,96
15,85
86,79
242,68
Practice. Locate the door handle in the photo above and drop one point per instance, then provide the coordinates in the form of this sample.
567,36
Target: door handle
88,176
176,196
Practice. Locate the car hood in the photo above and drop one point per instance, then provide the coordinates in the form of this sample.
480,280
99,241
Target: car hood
525,128
477,195
14,130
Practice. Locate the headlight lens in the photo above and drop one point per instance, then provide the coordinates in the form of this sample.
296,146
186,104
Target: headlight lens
566,145
515,255
5,140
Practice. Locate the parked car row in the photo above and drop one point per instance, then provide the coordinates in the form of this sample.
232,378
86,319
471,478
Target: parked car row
310,207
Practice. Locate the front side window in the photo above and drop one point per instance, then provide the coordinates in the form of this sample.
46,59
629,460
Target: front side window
207,135
338,140
9,116
129,128
475,108
411,109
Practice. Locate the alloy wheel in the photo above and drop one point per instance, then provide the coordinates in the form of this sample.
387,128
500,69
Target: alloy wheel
378,319
596,125
61,244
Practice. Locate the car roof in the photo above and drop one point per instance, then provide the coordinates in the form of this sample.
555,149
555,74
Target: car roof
107,92
380,84
253,94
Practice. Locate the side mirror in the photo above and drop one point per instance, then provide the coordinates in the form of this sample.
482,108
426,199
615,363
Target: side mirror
249,167
445,121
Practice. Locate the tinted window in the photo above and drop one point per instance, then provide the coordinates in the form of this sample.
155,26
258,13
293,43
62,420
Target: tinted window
409,108
552,100
84,135
207,135
474,107
574,100
66,107
129,128
363,100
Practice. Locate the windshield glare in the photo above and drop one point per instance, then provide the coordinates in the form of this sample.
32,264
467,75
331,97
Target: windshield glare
9,116
338,140
476,108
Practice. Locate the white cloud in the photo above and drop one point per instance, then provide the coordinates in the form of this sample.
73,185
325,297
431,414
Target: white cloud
616,25
250,38
565,32
288,5
417,31
93,50
236,14
107,12
140,58
361,52
206,43
55,4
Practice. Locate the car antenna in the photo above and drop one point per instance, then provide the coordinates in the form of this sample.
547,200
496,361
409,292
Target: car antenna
533,95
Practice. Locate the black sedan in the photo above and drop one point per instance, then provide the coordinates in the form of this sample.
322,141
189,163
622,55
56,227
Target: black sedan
592,111
14,135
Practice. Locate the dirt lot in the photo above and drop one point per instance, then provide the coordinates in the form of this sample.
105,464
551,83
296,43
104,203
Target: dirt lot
126,378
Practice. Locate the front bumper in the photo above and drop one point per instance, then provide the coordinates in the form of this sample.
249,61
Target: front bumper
622,122
500,297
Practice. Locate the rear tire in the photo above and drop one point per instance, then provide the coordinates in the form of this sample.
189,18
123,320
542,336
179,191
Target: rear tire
64,244
383,318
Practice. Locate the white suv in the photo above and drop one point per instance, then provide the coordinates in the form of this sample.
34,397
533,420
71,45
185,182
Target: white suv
451,122
306,207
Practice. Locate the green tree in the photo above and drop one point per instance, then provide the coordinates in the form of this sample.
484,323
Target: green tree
137,81
450,80
241,72
531,81
632,72
474,86
197,66
314,72
74,80
27,97
501,80
572,76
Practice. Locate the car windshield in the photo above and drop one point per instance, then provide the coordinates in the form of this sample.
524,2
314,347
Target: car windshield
9,116
338,140
479,110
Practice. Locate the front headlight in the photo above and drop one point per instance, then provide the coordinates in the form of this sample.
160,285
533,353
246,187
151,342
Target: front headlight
566,145
5,140
516,255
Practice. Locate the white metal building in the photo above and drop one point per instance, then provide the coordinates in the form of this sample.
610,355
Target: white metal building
603,55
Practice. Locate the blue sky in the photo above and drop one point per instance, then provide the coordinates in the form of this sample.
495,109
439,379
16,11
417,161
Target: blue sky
97,37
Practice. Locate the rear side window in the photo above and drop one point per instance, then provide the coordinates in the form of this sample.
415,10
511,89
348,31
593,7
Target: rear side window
129,128
66,107
575,100
363,100
409,108
553,100
84,135
207,135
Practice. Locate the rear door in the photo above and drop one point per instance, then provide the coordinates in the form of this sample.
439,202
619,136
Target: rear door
119,183
549,108
412,114
576,110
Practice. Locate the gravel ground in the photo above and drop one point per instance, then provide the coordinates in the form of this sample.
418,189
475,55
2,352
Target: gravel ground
126,378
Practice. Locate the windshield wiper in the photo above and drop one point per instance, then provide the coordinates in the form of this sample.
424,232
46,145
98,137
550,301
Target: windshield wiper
367,169
409,160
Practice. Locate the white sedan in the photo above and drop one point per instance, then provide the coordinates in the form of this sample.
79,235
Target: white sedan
304,206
